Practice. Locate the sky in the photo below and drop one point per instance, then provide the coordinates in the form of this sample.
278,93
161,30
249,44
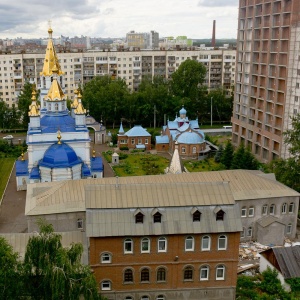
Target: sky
114,18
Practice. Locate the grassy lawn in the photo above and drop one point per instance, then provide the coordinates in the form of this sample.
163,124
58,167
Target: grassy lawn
6,165
202,165
139,164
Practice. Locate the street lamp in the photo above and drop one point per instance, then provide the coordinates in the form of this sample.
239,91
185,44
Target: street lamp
211,116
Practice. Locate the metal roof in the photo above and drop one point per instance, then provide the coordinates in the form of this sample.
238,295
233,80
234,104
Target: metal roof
268,220
137,130
175,220
66,196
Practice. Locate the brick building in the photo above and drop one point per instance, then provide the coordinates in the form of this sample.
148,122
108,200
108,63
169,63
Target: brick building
135,138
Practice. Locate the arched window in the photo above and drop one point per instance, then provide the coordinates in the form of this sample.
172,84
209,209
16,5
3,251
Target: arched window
106,285
205,243
249,232
194,150
160,297
161,274
291,208
196,216
272,209
145,298
283,208
264,210
56,106
289,229
128,298
222,242
49,106
220,272
105,258
128,275
188,273
204,273
145,275
145,245
128,246
162,244
189,243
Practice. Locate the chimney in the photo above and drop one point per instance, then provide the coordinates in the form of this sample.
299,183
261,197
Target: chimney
213,39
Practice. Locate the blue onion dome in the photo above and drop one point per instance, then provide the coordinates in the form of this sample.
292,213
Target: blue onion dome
189,138
182,111
60,155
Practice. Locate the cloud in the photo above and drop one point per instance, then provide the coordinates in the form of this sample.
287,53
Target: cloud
218,3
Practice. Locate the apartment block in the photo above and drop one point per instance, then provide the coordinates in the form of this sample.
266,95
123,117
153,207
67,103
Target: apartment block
132,66
267,90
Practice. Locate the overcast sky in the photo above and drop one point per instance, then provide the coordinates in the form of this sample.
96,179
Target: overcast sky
114,18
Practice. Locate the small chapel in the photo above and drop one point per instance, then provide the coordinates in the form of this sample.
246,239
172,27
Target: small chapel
184,135
59,145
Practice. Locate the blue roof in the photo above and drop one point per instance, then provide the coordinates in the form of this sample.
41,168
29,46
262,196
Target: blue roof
121,130
162,139
22,168
60,156
137,130
182,111
52,122
85,171
184,127
35,173
190,137
172,125
194,124
96,164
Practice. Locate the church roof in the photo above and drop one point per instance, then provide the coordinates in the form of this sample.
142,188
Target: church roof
189,137
35,173
182,111
55,92
60,156
33,108
50,123
22,168
96,164
86,172
51,59
79,109
162,139
137,130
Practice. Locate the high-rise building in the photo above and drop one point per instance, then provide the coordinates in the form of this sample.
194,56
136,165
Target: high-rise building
142,40
267,90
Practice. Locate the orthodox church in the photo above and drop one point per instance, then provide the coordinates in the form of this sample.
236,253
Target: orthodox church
184,135
58,142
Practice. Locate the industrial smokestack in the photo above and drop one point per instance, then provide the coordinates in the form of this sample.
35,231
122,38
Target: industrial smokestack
213,39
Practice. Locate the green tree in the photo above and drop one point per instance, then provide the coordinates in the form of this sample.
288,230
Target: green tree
226,158
54,272
246,288
287,171
3,113
10,272
219,153
24,100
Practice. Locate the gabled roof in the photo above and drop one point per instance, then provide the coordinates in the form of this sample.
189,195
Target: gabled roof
268,220
162,139
137,130
22,168
55,92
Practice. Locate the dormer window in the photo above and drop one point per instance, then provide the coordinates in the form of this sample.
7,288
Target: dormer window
196,216
139,218
157,217
220,215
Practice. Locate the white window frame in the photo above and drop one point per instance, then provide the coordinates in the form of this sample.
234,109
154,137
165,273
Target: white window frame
222,269
108,285
251,211
244,212
160,241
264,211
105,258
139,141
160,297
128,241
132,141
209,243
289,228
194,150
205,269
146,141
222,238
190,247
284,208
272,209
183,150
291,208
145,241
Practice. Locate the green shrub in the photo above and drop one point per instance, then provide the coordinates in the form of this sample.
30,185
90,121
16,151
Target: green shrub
123,148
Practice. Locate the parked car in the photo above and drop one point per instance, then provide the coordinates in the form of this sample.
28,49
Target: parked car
8,137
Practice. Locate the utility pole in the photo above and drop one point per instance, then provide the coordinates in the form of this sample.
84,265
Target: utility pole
211,116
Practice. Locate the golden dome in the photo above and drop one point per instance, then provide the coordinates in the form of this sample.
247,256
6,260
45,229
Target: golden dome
33,108
80,110
55,92
75,101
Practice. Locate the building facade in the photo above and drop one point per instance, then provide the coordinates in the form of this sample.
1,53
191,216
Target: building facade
267,89
81,67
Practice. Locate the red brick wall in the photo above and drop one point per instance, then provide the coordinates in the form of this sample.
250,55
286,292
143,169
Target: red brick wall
152,260
132,146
